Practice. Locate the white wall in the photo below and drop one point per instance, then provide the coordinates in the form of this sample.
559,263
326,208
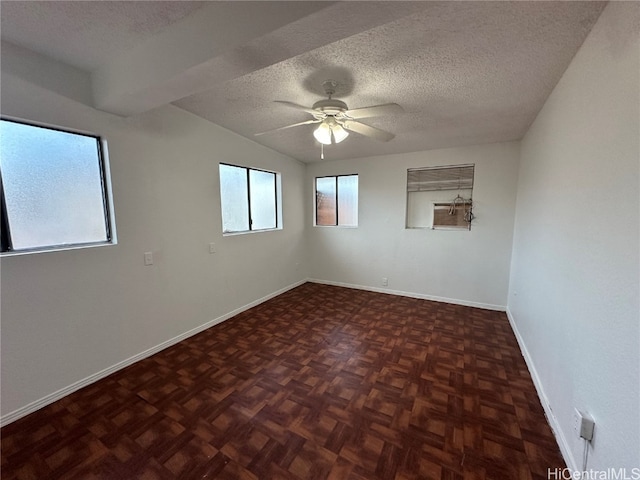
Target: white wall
469,267
67,315
574,277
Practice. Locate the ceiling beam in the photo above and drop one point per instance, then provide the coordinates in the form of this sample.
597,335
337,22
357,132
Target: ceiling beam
227,40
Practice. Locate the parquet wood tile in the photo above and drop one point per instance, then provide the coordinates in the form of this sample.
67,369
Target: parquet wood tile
321,382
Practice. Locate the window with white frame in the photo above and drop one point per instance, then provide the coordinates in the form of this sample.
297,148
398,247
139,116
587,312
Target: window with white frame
337,201
54,188
250,199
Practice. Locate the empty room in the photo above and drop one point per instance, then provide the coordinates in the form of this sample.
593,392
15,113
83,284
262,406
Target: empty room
320,240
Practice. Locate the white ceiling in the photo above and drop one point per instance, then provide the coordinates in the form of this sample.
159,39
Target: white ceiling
464,72
86,34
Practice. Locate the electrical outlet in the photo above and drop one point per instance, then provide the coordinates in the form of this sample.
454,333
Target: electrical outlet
583,425
576,421
385,281
212,248
587,425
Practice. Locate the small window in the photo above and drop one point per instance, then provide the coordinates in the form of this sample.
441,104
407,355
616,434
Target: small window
337,201
53,188
440,197
249,199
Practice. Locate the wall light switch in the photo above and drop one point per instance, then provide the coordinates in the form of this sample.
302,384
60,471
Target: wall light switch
148,258
212,248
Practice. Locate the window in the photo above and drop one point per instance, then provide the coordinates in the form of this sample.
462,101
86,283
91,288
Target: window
337,201
440,197
249,199
53,188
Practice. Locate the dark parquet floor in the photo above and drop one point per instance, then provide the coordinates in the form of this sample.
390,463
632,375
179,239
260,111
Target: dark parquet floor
320,382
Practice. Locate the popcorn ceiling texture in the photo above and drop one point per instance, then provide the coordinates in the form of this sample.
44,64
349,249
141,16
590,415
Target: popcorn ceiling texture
85,34
465,72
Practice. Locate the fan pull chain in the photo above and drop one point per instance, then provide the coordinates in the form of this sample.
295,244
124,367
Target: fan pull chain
322,151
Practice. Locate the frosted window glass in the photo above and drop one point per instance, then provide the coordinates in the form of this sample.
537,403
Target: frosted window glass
326,201
249,199
53,188
262,186
337,201
234,198
348,201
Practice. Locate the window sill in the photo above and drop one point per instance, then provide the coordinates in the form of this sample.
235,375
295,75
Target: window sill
248,232
336,226
57,248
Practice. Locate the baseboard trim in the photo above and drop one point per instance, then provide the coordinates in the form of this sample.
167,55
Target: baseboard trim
455,301
551,418
63,392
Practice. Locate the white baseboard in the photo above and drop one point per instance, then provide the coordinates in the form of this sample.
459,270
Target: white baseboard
57,395
455,301
551,418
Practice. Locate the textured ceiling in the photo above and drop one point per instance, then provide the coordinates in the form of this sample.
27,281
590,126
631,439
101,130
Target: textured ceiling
464,72
85,34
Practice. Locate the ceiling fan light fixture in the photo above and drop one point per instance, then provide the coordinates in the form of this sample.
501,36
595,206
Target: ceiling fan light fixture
330,131
323,134
339,133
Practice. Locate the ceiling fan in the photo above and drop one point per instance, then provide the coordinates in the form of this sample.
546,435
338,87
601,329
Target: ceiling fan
336,120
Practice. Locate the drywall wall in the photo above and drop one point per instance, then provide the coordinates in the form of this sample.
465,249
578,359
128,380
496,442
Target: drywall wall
68,315
574,277
469,267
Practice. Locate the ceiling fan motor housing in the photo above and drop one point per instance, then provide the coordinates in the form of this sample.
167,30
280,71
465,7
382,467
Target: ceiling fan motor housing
330,106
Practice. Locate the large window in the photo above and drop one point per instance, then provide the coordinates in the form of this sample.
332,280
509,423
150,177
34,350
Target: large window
53,188
337,201
249,199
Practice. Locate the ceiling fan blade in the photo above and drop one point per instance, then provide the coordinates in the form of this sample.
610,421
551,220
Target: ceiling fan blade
297,107
367,131
375,111
288,126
